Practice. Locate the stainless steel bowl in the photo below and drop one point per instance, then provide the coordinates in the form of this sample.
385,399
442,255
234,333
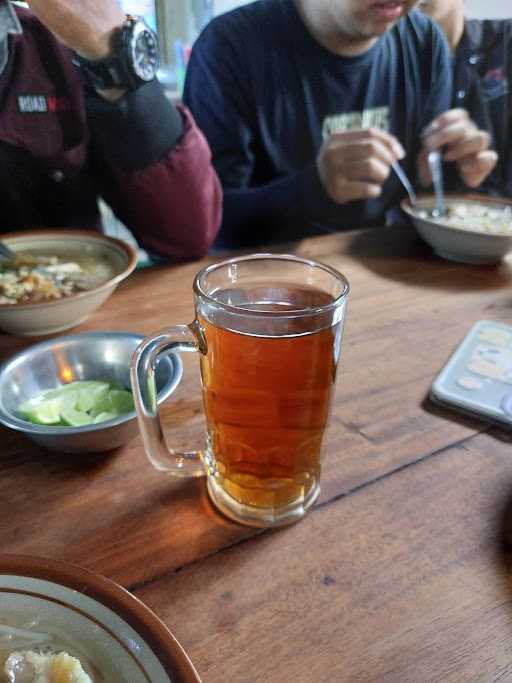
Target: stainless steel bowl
90,355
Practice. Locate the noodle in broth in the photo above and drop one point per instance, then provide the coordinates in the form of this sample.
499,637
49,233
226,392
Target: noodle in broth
37,278
31,652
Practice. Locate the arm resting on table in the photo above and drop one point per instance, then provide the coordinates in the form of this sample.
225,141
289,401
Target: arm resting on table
155,171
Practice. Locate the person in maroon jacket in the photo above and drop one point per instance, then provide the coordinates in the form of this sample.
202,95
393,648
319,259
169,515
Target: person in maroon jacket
82,117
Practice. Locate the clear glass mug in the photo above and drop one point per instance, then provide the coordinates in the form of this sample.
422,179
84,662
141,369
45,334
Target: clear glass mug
268,331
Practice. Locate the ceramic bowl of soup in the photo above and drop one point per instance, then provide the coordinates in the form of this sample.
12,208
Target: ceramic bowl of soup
476,228
85,626
57,278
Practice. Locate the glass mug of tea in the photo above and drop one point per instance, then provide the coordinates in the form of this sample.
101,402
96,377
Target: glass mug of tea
268,332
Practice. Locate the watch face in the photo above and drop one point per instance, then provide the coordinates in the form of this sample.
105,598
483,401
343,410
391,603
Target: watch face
145,53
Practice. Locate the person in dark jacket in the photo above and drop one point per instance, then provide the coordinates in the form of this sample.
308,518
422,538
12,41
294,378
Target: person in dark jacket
307,104
482,78
79,121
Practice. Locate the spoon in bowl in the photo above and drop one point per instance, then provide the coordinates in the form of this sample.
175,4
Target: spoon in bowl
402,175
436,168
6,253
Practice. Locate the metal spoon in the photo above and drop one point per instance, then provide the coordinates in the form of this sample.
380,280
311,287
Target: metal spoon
405,182
436,168
6,253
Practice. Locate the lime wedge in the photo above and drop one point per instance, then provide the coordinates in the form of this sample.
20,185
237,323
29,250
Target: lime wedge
74,418
60,391
89,396
45,412
102,406
121,401
28,406
103,417
78,403
117,401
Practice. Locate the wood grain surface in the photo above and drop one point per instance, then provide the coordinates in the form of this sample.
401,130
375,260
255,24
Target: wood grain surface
405,580
396,575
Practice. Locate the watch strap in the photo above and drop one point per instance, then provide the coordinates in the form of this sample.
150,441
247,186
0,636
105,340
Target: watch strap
107,74
115,70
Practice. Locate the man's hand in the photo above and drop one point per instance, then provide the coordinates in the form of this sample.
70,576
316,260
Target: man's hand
355,164
463,143
85,26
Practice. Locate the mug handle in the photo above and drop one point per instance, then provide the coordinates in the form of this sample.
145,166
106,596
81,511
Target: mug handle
181,338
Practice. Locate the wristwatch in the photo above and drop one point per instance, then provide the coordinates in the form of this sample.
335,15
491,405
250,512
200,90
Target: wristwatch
133,61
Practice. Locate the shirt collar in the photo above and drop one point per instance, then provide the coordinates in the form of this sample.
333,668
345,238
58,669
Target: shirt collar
9,23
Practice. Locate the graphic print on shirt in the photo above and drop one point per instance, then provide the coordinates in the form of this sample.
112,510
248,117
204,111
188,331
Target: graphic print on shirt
355,120
42,104
495,84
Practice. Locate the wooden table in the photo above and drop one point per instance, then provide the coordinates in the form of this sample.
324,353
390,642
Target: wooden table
401,573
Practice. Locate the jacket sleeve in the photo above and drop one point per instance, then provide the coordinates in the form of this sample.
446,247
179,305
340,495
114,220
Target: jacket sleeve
153,167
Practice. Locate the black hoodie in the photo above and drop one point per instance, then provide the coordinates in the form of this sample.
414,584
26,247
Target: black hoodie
482,84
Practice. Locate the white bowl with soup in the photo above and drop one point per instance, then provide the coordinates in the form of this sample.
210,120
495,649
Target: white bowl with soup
59,611
476,229
58,278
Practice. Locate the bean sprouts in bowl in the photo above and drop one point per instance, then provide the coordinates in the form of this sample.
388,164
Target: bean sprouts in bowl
57,278
476,228
53,608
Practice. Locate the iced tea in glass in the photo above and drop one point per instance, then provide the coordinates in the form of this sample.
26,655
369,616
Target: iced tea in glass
268,330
